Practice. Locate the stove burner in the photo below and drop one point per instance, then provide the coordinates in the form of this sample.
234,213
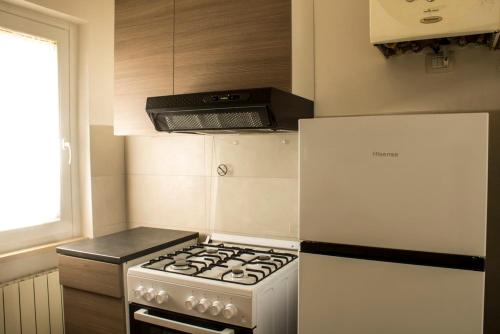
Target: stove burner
222,263
180,265
238,272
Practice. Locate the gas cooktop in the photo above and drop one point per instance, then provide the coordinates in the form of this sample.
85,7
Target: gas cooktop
222,262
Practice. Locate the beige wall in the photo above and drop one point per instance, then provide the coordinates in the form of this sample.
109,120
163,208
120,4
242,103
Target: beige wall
303,48
352,77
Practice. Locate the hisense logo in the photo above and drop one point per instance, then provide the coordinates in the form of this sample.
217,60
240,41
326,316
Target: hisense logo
385,154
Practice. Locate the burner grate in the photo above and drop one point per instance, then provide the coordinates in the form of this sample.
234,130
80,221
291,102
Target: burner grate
223,263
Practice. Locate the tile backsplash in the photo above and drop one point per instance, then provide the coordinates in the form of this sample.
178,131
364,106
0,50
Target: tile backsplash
172,182
109,213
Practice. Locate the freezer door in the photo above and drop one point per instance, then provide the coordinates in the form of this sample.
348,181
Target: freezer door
415,182
350,296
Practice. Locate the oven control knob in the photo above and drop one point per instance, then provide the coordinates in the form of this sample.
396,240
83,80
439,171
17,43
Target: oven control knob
216,308
139,291
229,311
203,306
161,297
191,302
150,294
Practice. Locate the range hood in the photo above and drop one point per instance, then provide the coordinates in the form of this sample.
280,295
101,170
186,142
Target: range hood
261,110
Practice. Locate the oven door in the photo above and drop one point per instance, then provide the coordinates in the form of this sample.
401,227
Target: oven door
148,320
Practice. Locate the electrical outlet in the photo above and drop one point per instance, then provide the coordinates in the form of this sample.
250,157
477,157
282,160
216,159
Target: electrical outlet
439,62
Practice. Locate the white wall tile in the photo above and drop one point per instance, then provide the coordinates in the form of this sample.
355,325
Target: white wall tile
166,155
101,230
108,204
255,206
176,202
138,155
209,154
169,183
108,191
272,156
178,155
107,151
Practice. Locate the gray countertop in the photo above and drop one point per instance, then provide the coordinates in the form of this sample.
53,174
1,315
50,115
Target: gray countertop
127,245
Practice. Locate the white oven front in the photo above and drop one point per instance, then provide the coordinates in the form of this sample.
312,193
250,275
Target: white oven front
149,320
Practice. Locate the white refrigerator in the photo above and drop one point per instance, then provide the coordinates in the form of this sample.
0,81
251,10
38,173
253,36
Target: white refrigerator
395,225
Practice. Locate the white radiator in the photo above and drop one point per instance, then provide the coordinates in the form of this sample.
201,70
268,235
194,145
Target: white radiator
32,305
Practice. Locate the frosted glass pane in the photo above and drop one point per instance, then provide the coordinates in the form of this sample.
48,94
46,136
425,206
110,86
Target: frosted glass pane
30,154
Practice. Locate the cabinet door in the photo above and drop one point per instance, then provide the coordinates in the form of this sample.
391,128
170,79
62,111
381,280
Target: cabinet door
230,44
143,60
89,313
93,276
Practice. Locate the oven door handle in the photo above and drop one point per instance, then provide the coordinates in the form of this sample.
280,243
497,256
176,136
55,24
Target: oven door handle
142,315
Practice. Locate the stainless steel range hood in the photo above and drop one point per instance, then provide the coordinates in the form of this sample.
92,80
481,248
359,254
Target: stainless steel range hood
260,110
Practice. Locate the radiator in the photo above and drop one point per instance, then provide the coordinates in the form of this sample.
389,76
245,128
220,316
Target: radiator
32,305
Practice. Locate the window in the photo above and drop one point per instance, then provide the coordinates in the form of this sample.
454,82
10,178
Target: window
35,150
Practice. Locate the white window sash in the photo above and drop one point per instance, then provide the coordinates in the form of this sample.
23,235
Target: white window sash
35,24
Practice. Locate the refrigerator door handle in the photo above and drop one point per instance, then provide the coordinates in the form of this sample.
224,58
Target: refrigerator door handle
430,259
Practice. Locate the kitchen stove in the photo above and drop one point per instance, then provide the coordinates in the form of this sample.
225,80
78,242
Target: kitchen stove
229,285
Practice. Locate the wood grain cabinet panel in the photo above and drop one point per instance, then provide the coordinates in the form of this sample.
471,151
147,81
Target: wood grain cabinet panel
230,44
165,47
88,313
143,60
93,276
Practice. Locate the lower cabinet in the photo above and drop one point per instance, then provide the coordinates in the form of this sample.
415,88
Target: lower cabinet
90,313
93,297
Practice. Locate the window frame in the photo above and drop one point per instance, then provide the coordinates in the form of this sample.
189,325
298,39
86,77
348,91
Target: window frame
64,33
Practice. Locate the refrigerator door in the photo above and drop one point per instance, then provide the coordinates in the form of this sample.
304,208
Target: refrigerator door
416,182
350,296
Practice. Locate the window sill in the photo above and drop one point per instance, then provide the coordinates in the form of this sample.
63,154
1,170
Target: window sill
23,253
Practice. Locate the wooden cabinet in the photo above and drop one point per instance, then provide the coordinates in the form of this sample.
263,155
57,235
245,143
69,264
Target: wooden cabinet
93,297
231,44
165,47
90,313
93,276
143,60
